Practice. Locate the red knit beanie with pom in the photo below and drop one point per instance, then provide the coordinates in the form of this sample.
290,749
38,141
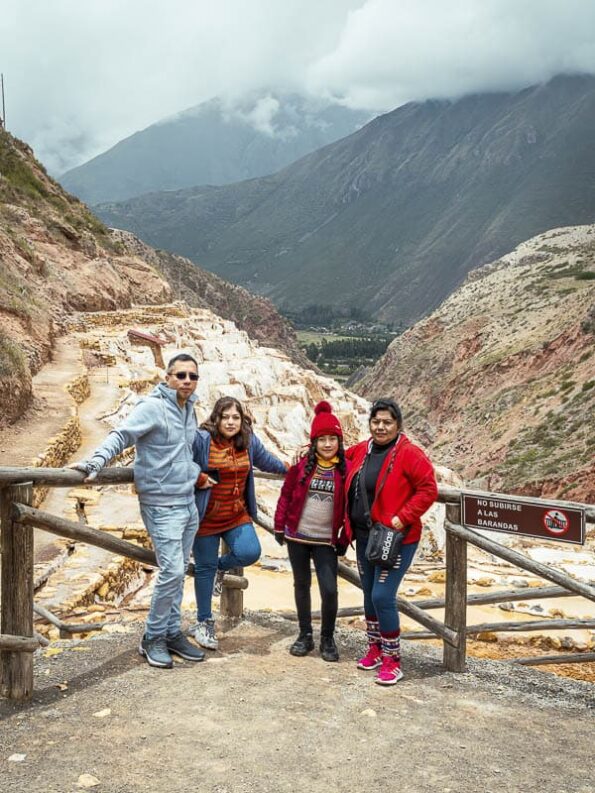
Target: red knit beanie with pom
325,422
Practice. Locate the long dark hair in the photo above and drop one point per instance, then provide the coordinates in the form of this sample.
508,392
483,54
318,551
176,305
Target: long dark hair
242,440
311,459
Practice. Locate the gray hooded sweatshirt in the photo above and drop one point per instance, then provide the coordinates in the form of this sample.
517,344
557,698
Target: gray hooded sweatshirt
164,472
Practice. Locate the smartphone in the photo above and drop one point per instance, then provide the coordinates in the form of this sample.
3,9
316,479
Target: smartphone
213,473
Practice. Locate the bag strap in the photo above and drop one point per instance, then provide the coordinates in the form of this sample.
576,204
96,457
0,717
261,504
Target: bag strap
362,479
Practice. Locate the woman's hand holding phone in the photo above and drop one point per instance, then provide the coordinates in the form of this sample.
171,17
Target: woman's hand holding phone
212,478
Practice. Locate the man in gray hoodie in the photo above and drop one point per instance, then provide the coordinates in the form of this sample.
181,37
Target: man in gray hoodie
162,427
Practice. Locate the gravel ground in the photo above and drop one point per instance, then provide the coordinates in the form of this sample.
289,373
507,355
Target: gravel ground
253,718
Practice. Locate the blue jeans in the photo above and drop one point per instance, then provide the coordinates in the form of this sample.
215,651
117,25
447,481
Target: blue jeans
172,530
244,550
379,585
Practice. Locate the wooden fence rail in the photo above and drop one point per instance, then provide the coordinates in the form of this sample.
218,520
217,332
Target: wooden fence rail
477,599
18,518
72,530
563,658
65,477
518,560
17,644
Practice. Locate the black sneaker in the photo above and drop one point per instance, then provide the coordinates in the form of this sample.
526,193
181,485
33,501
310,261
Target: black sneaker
179,645
303,645
328,649
156,652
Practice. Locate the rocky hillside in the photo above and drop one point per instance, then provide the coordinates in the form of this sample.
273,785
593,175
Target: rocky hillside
392,218
214,143
56,258
202,289
499,382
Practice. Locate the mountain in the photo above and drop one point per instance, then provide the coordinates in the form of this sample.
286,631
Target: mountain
391,218
57,258
213,143
499,381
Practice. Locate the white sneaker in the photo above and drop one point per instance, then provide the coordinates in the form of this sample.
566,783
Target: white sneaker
205,634
218,583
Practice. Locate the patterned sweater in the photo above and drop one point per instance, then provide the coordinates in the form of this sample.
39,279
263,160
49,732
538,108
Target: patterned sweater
316,521
296,493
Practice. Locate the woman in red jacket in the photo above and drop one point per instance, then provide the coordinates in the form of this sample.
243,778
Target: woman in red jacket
310,516
400,486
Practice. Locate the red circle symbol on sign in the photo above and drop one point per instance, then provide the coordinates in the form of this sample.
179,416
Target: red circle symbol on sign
556,522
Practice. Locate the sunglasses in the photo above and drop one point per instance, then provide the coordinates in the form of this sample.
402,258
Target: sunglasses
183,375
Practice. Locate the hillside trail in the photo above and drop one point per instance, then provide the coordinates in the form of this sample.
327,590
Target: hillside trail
51,407
253,719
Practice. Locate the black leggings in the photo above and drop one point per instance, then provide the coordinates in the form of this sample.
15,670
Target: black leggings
325,564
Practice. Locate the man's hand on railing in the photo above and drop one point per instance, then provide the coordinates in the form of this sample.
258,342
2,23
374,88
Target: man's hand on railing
87,468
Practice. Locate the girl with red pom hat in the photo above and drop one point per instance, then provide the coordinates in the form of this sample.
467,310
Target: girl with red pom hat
310,517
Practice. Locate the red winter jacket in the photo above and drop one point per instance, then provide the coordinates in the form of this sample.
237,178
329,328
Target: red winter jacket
408,491
293,497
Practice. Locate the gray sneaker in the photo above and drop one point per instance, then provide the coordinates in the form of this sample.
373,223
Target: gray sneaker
156,652
205,634
180,646
218,583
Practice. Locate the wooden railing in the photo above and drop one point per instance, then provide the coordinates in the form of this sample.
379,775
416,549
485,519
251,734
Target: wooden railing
18,519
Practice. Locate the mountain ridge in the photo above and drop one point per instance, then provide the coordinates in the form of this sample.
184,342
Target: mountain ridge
391,218
216,143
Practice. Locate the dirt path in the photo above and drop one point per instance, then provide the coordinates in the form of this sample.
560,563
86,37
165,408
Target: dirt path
254,719
51,408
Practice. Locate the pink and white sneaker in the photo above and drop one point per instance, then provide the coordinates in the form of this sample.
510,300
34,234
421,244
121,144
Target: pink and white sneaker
372,659
390,672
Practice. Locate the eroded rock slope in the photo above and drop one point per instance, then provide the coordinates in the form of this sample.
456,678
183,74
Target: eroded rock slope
499,381
57,258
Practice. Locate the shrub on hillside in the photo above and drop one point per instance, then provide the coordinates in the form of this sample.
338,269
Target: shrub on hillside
12,359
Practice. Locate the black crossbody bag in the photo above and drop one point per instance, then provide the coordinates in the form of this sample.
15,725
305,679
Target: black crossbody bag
384,542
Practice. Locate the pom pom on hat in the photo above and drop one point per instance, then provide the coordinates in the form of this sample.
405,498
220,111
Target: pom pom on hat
325,422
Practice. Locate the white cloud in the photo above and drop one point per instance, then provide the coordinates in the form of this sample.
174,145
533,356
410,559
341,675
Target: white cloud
82,75
393,52
261,116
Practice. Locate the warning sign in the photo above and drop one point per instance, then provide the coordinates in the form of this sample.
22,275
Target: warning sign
524,518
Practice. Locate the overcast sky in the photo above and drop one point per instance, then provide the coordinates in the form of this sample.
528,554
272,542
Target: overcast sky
82,74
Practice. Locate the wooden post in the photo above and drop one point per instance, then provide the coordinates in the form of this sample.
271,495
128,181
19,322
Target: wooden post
232,600
16,668
455,610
